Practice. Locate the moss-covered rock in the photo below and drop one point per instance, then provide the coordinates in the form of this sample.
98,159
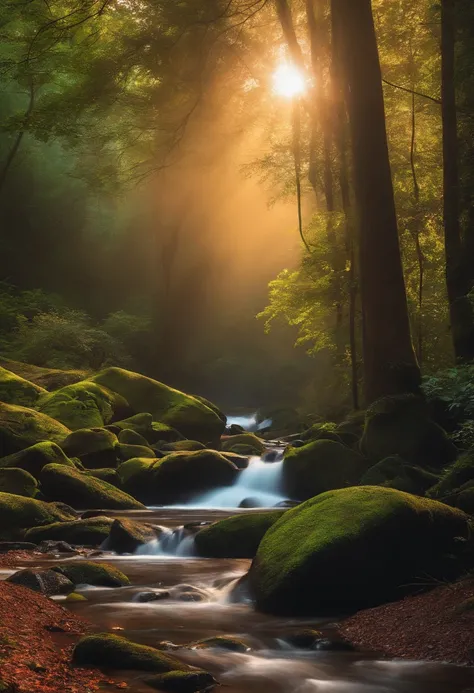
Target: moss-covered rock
21,427
238,536
91,573
319,466
128,452
129,437
318,431
95,447
47,582
240,461
400,425
186,445
18,481
126,536
182,681
75,597
243,450
355,547
83,405
131,468
16,390
34,458
182,475
83,491
232,643
46,378
190,416
394,472
114,652
249,440
464,499
18,512
455,476
91,532
151,431
108,475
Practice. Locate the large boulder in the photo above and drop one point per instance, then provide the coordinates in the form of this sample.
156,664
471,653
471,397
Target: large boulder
95,447
91,532
46,378
48,582
182,475
128,452
108,475
401,425
320,466
394,472
21,427
189,415
82,491
34,458
91,573
356,547
16,390
83,405
126,536
186,445
131,474
252,444
18,512
238,536
454,477
151,431
19,482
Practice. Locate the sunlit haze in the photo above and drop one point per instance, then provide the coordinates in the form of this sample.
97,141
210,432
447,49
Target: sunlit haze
288,81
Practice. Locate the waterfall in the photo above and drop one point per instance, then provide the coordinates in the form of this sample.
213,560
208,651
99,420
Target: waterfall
249,422
171,542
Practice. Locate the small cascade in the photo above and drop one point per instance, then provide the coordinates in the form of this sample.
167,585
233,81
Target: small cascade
258,486
249,422
171,542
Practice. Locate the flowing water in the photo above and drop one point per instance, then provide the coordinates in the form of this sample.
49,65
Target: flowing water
194,602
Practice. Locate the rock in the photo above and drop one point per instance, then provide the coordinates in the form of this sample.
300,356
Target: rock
287,504
320,466
16,390
113,652
274,455
186,445
55,547
127,436
243,450
21,428
329,645
75,597
234,430
464,499
20,512
249,440
182,681
18,481
83,491
47,378
304,639
47,582
190,416
181,475
222,642
240,461
393,472
126,536
132,475
95,447
91,573
128,452
86,404
250,503
108,475
238,536
317,431
298,443
34,458
157,595
6,546
66,509
356,547
400,425
92,532
455,476
151,431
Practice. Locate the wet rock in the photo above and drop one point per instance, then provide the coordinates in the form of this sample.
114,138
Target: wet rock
6,546
287,504
55,547
234,430
303,639
240,461
157,595
182,681
298,443
47,582
329,645
188,593
250,503
126,536
233,643
271,456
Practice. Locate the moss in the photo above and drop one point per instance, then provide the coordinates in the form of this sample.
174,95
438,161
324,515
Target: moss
48,582
223,642
75,597
188,415
320,466
394,472
34,458
250,440
47,378
82,491
108,475
114,652
186,445
18,481
182,681
16,390
129,437
20,512
95,447
240,461
21,428
128,452
127,470
126,536
90,532
401,426
182,475
461,472
356,547
91,573
82,405
318,431
242,449
235,537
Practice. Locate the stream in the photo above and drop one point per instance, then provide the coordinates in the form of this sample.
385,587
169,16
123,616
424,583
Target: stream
199,606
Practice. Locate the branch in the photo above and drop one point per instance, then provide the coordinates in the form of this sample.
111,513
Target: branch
412,91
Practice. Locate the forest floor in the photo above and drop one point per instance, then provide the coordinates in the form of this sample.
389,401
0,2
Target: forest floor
436,625
37,637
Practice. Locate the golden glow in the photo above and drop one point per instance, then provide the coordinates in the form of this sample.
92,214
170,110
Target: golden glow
288,81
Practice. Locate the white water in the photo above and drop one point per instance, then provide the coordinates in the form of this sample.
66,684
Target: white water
249,422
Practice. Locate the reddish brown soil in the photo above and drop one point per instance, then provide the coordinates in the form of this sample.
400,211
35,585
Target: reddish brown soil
429,626
37,637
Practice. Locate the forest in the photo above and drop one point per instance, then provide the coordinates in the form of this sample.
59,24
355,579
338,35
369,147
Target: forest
237,346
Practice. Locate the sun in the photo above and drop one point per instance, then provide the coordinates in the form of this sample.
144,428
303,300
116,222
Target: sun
288,81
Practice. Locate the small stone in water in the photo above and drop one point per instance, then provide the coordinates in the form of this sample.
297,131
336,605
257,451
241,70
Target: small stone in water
144,597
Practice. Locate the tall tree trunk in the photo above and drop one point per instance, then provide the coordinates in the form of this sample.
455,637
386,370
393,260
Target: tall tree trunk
457,273
11,156
390,364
